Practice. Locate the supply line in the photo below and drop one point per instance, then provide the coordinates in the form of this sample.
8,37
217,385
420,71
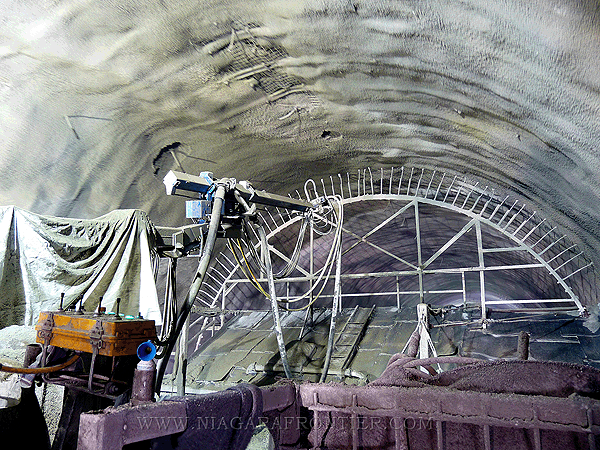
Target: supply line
39,370
197,283
323,273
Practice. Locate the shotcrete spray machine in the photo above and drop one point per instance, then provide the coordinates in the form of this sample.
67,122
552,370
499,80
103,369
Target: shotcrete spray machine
106,358
111,357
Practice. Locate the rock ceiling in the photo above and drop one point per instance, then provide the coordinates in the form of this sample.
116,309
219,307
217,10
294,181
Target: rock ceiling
98,100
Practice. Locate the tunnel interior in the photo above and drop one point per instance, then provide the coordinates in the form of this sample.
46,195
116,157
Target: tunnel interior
380,236
490,269
100,100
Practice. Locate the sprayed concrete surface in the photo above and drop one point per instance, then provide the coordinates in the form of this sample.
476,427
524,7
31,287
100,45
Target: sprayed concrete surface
99,100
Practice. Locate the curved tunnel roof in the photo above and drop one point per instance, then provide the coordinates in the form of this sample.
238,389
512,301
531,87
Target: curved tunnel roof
100,100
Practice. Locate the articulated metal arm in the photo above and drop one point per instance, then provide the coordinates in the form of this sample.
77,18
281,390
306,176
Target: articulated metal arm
176,182
224,203
177,242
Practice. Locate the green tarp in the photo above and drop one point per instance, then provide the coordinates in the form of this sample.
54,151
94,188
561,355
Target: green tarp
41,257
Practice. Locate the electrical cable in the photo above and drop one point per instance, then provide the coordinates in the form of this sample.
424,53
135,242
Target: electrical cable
247,270
293,260
323,274
287,269
328,266
317,198
334,310
243,269
290,266
169,308
256,283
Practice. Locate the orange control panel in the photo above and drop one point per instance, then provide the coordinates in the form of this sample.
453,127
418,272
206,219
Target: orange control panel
106,333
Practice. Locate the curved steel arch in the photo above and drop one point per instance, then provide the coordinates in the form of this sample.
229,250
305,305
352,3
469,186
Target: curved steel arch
414,188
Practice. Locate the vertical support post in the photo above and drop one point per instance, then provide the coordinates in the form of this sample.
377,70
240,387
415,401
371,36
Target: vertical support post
354,423
400,434
487,438
423,323
309,311
274,306
439,434
481,272
523,345
464,289
262,258
337,288
537,439
175,369
419,254
399,425
223,306
335,308
182,355
591,437
398,292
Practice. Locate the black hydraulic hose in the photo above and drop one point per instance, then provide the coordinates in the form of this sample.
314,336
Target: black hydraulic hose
170,307
209,245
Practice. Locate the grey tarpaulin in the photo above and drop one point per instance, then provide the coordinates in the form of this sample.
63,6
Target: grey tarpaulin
42,257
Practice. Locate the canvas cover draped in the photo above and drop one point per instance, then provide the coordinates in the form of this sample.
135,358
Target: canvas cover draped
42,257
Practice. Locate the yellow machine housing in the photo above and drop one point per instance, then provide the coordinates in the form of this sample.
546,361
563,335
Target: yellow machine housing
82,331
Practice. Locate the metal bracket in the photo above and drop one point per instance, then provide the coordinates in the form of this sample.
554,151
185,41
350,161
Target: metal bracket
178,242
45,331
96,336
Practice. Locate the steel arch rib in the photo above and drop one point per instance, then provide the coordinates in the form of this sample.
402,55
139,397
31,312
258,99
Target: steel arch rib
449,202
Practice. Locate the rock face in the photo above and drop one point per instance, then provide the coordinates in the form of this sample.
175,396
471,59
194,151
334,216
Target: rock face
100,100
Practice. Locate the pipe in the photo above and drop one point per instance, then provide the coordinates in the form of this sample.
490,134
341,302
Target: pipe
442,360
523,345
350,373
38,370
334,311
274,305
143,379
209,245
31,353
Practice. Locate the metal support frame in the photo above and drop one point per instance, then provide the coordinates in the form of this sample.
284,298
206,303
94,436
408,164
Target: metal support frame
432,407
419,252
415,188
481,273
396,408
116,427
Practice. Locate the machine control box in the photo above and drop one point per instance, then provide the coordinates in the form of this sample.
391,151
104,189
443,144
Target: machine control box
107,334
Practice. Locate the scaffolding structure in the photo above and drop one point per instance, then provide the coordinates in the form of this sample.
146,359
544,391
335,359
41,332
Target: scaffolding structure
411,197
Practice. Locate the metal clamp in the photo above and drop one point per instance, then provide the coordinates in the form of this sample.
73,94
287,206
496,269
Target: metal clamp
96,335
45,331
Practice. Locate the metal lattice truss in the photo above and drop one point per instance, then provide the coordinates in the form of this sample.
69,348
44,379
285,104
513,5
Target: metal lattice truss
423,235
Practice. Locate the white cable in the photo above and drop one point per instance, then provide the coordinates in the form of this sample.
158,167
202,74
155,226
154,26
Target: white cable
329,263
